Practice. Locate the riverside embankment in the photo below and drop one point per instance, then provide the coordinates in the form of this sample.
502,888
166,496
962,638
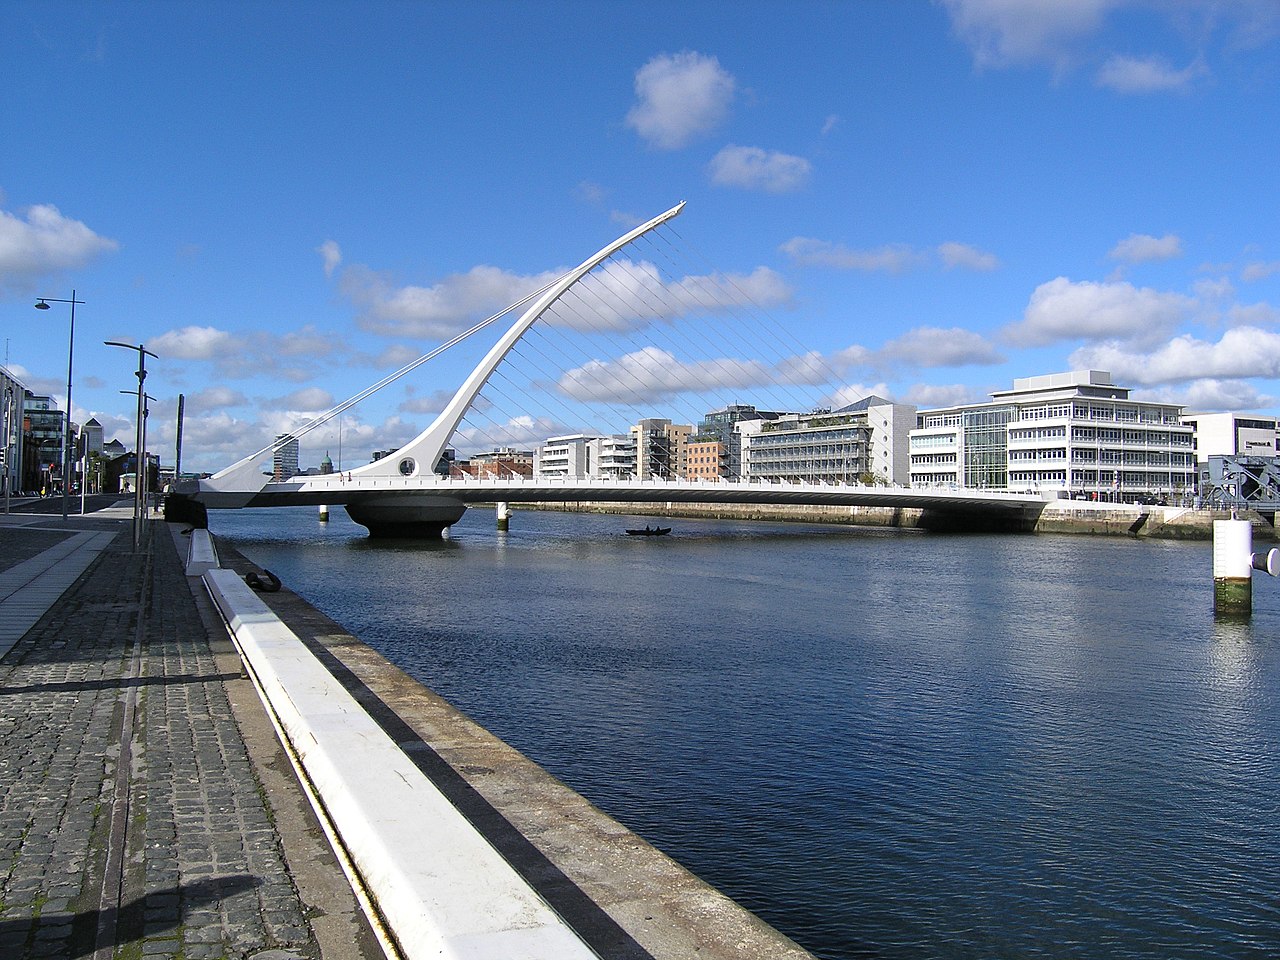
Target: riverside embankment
1061,516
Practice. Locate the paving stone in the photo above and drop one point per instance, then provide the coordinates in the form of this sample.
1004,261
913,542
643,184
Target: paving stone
201,843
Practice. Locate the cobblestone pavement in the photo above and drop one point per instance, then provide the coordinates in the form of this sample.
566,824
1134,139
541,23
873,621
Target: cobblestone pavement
132,823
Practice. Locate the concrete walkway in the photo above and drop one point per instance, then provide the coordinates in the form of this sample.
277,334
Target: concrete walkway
146,809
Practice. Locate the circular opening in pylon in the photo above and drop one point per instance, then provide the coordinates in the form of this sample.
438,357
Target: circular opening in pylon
407,467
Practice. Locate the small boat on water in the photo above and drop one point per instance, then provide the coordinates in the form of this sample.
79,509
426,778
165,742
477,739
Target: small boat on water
649,531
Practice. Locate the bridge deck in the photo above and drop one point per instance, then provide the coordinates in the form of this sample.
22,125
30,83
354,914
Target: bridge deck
334,490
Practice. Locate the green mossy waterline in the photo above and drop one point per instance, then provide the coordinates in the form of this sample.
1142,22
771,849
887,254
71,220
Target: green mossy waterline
1233,596
1062,516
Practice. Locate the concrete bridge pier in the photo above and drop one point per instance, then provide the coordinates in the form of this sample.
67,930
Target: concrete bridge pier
406,515
503,511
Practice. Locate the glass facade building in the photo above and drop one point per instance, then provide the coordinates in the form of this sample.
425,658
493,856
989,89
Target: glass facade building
1076,433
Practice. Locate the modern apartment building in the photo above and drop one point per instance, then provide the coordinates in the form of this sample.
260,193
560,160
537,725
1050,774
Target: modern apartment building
584,456
867,440
722,425
1073,432
660,448
706,459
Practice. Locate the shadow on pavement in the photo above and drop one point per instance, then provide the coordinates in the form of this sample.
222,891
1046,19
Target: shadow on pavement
29,937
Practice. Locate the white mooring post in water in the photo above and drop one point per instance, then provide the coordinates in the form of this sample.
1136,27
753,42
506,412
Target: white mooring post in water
504,515
1233,564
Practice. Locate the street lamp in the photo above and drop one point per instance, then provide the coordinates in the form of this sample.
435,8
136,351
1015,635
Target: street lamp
141,453
42,303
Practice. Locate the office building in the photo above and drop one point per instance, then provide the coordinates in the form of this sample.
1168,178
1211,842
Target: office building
43,429
285,460
1075,433
1232,435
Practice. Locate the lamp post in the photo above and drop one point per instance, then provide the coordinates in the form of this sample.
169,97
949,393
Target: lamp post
42,303
141,453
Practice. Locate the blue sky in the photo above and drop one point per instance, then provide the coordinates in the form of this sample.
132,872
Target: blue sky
285,201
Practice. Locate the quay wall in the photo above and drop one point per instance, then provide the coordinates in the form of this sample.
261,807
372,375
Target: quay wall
1061,516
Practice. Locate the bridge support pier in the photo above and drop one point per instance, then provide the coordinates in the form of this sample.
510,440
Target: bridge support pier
324,513
406,515
503,511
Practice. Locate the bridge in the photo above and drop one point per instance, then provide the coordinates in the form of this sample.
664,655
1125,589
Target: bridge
402,495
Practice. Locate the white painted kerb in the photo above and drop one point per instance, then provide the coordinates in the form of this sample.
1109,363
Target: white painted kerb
442,889
201,554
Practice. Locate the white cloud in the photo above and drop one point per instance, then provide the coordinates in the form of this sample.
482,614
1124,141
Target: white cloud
306,342
331,254
308,400
619,295
1214,291
830,124
432,402
1066,310
1146,75
652,374
938,395
809,252
1143,248
1259,270
955,254
591,193
1207,396
679,98
44,243
196,343
810,369
436,312
853,392
243,355
522,432
215,398
939,347
1003,33
629,295
1253,315
1242,352
752,168
395,356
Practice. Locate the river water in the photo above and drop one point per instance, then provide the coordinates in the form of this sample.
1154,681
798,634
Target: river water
886,743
